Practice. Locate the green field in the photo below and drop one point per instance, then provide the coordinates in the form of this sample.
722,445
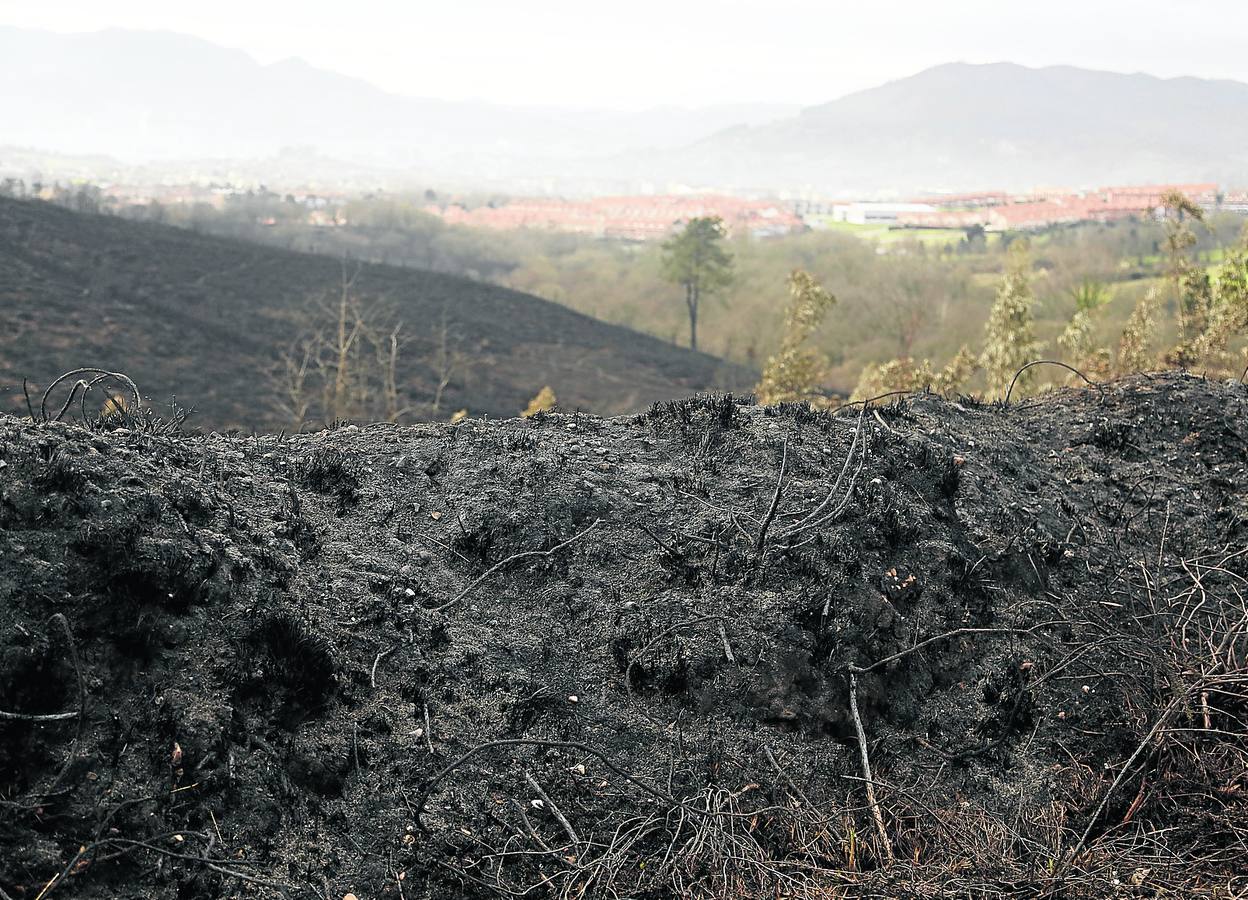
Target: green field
887,234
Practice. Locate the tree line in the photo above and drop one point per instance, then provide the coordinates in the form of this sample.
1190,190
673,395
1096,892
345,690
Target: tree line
1210,309
1104,298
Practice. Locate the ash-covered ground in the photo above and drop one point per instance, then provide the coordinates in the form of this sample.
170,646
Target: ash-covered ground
931,648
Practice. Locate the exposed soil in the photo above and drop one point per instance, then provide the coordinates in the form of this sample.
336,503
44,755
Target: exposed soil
268,662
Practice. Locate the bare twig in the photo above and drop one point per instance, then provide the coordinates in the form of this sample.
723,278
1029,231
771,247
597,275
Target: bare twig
761,540
723,636
447,547
953,835
68,400
202,860
372,675
878,397
1050,362
1171,707
667,548
533,742
30,717
127,845
72,645
556,812
515,557
798,792
104,374
866,767
30,410
355,744
82,400
861,670
529,829
817,517
1175,704
875,414
60,619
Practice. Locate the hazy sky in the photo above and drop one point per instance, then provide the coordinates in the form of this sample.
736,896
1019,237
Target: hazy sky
640,53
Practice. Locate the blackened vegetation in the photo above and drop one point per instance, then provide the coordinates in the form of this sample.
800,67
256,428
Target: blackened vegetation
284,656
190,501
801,413
146,419
60,473
699,422
332,472
297,528
714,651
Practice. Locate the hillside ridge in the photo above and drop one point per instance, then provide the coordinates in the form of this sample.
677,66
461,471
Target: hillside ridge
206,318
964,126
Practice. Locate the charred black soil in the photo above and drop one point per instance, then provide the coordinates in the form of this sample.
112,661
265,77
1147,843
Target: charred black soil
647,657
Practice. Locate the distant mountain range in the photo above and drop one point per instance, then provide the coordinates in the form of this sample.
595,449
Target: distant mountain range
160,96
143,96
962,127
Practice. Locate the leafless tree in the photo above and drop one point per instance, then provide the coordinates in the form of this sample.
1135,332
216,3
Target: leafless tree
298,362
447,358
909,305
345,362
386,349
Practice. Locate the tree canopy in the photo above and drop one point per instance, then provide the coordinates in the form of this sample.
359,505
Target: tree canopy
697,260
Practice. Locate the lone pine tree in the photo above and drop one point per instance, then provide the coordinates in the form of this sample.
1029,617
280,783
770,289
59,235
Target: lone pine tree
697,260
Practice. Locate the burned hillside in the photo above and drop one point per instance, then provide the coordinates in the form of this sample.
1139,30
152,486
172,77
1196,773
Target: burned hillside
921,648
215,323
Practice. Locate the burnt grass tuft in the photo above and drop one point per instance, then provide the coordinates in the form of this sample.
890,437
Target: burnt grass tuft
287,655
330,471
61,473
599,658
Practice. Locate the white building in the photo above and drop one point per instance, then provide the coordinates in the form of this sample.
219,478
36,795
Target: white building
875,213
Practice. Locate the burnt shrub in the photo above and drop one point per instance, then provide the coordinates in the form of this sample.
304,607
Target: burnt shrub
698,421
283,657
60,472
331,472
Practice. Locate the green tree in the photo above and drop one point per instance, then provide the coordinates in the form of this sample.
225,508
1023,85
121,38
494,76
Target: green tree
697,260
903,374
1192,286
1009,337
1228,315
1077,338
794,373
543,401
1135,353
